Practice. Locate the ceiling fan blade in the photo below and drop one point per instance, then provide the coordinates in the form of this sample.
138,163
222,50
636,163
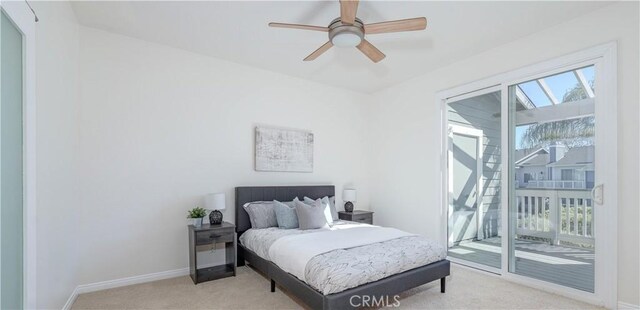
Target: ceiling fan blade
298,26
411,24
319,51
370,51
348,9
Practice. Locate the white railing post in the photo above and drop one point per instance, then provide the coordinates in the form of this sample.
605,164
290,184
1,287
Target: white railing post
554,216
583,207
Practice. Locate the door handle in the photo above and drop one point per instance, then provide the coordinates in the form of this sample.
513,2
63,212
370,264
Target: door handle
597,194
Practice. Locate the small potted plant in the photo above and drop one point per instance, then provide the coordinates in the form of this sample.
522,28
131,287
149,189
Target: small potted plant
196,214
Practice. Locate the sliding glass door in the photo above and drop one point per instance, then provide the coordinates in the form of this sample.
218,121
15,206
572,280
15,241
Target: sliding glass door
552,229
526,155
474,180
11,167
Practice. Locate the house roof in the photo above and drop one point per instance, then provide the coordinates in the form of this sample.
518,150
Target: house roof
531,157
576,156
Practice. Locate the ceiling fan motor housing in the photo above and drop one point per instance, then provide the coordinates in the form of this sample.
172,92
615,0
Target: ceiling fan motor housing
346,35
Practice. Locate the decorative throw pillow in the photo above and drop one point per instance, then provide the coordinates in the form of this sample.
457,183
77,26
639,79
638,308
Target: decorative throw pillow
323,204
262,214
310,217
332,206
309,201
291,203
285,215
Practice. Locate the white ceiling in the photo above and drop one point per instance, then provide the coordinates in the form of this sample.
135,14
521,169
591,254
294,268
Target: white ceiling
237,31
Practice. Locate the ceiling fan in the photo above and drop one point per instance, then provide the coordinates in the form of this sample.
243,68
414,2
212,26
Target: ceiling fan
349,31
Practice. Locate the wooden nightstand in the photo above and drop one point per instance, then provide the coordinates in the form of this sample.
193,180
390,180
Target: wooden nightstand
208,235
357,216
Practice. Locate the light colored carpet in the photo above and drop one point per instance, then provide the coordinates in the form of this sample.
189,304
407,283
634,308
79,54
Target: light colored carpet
466,289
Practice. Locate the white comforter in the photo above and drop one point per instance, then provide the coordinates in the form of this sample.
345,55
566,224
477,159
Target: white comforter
342,269
293,253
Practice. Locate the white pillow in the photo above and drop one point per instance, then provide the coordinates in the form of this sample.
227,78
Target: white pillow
310,217
332,204
324,203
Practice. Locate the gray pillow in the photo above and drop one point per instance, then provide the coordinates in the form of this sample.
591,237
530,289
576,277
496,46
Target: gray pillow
324,203
310,217
285,215
262,214
292,203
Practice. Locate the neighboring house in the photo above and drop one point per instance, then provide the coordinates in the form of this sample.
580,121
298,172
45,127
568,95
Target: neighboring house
555,167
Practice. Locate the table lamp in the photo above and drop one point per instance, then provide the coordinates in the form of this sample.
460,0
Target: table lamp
348,196
215,202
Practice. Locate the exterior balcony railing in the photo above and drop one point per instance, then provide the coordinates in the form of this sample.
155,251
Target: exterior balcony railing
557,215
556,184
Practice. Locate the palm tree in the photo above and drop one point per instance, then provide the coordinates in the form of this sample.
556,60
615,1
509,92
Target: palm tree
571,132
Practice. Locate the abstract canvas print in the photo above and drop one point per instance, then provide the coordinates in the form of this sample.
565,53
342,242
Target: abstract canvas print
284,150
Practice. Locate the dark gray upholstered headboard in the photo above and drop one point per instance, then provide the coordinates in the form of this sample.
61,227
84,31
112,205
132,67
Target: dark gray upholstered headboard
269,193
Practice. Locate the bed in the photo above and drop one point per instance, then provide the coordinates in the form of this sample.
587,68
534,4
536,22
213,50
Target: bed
316,286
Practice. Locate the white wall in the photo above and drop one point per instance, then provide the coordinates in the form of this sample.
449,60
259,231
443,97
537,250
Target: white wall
406,182
57,153
162,127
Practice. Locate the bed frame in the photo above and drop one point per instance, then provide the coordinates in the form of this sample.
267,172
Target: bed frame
383,289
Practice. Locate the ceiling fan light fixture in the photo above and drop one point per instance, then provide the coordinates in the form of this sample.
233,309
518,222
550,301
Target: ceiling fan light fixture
349,31
346,39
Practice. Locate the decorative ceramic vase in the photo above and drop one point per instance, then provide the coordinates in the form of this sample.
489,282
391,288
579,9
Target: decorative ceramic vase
197,222
348,207
215,217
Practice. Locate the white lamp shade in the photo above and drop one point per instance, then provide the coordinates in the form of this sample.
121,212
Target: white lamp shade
349,195
215,201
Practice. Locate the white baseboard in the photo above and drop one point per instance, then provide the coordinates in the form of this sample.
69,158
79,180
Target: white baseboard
627,306
99,286
71,299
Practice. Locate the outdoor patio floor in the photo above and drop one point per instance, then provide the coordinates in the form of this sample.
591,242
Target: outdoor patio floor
564,265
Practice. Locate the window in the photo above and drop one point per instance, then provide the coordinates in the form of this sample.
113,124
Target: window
566,174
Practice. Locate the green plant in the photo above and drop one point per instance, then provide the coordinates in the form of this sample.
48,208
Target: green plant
196,212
